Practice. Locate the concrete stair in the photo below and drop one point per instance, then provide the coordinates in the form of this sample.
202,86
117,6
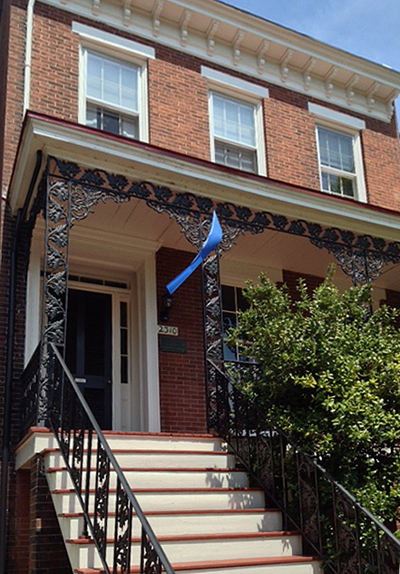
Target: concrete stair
199,503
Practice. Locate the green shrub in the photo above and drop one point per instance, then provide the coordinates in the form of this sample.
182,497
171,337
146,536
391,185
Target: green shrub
330,377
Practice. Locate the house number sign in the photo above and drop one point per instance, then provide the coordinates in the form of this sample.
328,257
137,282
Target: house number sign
168,330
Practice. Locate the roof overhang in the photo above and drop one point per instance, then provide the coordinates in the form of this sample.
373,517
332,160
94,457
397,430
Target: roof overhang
140,161
233,38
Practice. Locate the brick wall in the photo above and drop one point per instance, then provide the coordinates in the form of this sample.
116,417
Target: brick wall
55,64
47,549
182,382
14,514
4,44
14,93
381,154
290,141
178,106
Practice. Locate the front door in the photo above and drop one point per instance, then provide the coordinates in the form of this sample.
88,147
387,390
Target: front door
88,352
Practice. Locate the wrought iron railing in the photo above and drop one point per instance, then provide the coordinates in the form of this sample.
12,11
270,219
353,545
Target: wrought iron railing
83,446
30,392
333,525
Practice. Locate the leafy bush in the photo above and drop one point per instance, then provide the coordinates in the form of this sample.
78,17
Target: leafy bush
330,377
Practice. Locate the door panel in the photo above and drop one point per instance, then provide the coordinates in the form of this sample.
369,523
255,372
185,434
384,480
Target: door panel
88,352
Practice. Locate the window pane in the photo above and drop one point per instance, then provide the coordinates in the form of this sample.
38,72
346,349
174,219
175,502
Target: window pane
338,185
228,298
111,86
94,76
247,131
236,157
242,302
229,320
129,127
112,82
348,187
123,307
129,89
233,120
336,150
92,117
110,122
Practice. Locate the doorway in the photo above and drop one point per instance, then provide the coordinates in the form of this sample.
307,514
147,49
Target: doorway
89,350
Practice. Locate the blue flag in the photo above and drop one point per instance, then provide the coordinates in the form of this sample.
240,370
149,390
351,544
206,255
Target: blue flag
213,239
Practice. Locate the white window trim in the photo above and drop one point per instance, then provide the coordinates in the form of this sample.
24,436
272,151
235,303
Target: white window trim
347,125
242,91
119,49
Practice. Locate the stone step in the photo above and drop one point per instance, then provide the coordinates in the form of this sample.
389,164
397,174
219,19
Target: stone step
164,441
142,458
159,478
65,500
237,546
189,522
271,565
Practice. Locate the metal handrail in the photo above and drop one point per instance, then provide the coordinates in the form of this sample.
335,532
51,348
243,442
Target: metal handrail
333,524
74,425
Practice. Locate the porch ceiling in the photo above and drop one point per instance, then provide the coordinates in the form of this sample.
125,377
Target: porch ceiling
113,234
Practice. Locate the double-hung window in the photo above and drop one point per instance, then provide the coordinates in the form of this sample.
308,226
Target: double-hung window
337,165
112,95
232,302
113,82
234,133
339,152
236,121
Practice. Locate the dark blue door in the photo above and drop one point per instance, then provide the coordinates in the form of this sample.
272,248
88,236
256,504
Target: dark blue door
88,353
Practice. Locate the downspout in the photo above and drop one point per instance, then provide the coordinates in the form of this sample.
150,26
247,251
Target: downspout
28,55
20,218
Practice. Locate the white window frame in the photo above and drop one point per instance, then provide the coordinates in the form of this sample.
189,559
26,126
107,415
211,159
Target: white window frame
123,51
349,126
241,91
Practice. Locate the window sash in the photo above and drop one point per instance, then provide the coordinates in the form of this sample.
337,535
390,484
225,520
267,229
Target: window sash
112,95
337,155
234,121
235,156
336,150
112,82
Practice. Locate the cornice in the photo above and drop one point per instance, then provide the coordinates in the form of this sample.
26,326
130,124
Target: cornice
251,45
115,154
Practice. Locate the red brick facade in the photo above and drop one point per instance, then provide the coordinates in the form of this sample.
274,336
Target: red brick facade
182,386
178,107
178,120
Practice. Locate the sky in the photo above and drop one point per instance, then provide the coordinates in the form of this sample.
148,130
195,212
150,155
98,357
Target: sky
366,28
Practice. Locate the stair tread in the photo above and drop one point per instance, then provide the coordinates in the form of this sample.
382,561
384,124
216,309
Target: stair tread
194,537
158,469
214,564
155,490
154,451
186,512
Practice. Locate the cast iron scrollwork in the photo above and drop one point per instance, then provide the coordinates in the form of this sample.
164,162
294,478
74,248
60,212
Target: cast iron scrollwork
123,531
101,499
150,561
333,525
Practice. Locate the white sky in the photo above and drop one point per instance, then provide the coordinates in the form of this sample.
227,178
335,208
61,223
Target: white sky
367,28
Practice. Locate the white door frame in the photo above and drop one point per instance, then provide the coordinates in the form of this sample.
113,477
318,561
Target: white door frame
122,259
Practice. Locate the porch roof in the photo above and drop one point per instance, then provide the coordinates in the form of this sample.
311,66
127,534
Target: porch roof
141,161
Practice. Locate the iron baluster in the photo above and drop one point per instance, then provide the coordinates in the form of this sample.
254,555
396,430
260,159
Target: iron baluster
101,497
122,531
333,525
96,527
86,494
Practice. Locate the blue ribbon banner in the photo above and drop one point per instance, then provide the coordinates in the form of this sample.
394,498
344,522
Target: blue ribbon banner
213,239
